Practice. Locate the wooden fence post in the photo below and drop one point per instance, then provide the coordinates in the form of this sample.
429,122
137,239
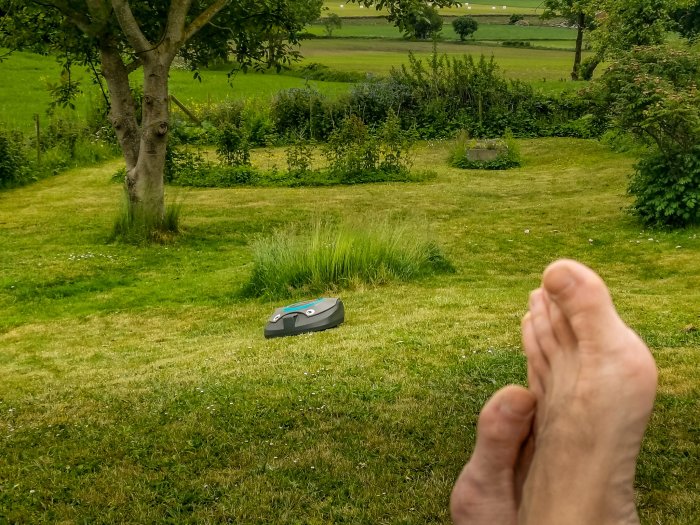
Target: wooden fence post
37,127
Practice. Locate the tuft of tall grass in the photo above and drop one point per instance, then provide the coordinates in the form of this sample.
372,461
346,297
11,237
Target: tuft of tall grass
136,226
325,256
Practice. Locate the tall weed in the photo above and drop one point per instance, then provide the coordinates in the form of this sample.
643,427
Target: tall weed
326,257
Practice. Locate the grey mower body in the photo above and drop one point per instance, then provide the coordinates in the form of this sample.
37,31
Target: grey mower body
306,316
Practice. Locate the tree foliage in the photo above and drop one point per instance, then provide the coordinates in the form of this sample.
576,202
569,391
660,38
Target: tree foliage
424,24
653,93
465,26
579,14
115,38
687,20
331,22
405,13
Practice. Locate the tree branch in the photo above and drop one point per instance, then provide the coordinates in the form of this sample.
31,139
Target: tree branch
130,26
133,66
76,18
203,19
176,19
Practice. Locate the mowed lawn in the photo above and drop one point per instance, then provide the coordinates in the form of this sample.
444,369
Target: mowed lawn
137,385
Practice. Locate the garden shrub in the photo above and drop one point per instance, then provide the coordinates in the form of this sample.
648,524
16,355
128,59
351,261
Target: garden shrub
395,146
299,110
352,151
666,188
375,98
182,164
652,92
516,43
299,155
357,154
14,164
508,153
324,73
232,146
325,257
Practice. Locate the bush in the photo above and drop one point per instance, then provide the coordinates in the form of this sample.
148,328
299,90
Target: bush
14,165
325,257
299,155
182,165
653,93
355,154
516,43
667,189
508,153
374,99
299,111
232,146
514,19
465,26
352,151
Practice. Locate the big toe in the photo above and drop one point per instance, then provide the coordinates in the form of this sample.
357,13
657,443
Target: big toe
485,491
584,300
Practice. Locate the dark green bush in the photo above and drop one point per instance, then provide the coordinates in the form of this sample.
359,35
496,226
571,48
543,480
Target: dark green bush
296,111
14,165
182,164
375,98
299,154
508,156
232,146
321,72
666,189
516,43
652,92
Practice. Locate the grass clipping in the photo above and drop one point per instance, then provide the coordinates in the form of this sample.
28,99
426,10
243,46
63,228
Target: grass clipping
325,256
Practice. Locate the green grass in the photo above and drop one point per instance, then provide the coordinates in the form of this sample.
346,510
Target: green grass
313,258
379,56
528,7
27,95
380,28
137,385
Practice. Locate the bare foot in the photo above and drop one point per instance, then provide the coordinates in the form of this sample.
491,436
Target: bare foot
595,382
487,491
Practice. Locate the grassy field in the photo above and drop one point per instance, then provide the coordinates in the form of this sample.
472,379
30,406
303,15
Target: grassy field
379,56
137,386
527,7
27,94
380,28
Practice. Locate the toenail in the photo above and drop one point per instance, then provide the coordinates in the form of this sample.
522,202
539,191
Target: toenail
560,280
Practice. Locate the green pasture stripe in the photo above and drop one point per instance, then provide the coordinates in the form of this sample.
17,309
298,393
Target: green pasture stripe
528,7
382,29
379,56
